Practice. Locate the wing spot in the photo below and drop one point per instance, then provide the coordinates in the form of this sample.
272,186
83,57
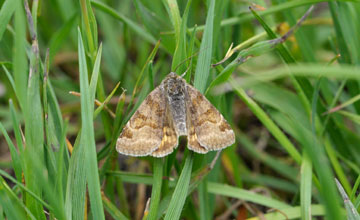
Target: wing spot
126,133
139,120
224,126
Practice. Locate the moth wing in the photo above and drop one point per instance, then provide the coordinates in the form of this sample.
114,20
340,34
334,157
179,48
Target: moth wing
170,139
212,131
143,133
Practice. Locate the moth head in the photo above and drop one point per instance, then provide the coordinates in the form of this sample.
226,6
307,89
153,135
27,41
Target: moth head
174,84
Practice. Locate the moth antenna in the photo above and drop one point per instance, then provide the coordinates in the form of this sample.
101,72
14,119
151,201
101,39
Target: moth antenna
182,75
189,58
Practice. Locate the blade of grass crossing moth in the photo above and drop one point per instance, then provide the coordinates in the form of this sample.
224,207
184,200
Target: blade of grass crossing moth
201,75
305,187
6,11
87,137
15,158
156,188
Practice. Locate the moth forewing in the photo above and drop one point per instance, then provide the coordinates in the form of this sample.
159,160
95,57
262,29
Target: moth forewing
211,129
143,133
170,138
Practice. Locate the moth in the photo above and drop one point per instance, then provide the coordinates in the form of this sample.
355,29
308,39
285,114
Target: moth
174,109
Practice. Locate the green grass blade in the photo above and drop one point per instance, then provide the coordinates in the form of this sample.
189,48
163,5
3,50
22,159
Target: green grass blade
305,187
60,37
156,189
352,213
16,127
234,192
89,26
19,57
356,185
202,70
95,74
6,11
180,193
10,78
34,126
292,213
135,27
15,159
32,194
76,184
275,130
87,140
112,209
11,204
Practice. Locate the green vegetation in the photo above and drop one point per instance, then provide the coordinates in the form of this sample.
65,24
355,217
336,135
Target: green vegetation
292,100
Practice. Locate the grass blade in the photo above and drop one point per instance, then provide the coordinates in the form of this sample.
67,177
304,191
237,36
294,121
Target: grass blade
156,188
6,11
352,213
202,70
180,193
87,139
234,192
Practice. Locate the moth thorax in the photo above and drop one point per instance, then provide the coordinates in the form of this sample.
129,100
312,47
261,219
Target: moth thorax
178,112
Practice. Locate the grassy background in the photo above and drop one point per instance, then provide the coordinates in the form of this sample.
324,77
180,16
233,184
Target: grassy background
293,106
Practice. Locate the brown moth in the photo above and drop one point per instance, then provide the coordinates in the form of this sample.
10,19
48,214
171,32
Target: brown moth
174,109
